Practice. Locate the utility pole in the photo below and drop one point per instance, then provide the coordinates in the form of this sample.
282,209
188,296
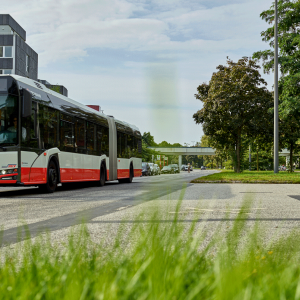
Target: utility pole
276,129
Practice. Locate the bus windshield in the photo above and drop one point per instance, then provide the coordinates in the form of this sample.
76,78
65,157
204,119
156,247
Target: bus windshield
8,119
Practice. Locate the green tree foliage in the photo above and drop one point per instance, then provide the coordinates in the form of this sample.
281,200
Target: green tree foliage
236,106
164,144
289,83
208,160
288,37
221,152
289,114
148,139
147,153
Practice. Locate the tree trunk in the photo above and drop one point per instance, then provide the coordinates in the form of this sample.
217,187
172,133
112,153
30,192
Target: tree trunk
257,158
238,152
291,157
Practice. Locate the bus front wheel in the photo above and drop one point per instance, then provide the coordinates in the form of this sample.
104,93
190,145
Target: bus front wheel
52,178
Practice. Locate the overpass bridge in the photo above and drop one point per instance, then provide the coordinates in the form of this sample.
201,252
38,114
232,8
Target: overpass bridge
197,151
184,151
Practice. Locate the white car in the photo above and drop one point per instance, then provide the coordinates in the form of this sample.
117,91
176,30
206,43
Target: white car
152,169
156,169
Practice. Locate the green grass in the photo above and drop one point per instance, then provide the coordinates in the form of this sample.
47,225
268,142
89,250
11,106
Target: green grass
250,177
167,260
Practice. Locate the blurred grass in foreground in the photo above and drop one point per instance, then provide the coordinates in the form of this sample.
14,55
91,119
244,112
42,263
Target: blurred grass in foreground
228,176
157,260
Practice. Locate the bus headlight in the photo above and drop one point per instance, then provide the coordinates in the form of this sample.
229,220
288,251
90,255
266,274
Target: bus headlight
3,172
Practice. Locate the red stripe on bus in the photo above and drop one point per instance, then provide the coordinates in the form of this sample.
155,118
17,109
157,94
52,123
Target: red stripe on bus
33,175
25,174
68,175
8,175
123,173
39,175
137,173
8,181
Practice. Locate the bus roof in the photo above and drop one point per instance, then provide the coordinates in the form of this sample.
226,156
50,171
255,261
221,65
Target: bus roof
42,87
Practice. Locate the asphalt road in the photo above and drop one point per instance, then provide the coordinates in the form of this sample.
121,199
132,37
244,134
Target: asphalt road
104,209
26,210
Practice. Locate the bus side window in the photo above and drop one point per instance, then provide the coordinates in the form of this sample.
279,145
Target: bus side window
49,127
105,141
90,138
121,147
130,147
28,139
119,144
66,134
99,139
80,135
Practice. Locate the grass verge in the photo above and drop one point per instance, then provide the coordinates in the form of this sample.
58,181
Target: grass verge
250,177
165,259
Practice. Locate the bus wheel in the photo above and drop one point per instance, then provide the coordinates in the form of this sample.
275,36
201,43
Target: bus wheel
102,176
52,178
129,180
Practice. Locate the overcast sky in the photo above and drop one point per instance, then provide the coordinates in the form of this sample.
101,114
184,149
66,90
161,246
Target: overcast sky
140,60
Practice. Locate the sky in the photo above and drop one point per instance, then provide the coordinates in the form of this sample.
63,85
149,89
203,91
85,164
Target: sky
141,61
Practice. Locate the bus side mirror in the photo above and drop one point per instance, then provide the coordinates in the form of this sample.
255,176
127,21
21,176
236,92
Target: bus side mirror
26,104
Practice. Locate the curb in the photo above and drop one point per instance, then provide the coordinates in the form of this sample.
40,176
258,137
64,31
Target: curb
250,182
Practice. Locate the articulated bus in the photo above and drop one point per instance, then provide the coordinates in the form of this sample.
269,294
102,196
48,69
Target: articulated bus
47,139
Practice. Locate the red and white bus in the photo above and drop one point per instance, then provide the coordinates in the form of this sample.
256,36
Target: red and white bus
47,139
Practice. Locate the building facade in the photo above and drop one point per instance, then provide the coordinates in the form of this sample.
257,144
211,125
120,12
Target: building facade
16,56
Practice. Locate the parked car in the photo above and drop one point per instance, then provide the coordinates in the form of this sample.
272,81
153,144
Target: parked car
145,169
175,168
152,171
203,168
156,169
183,167
167,170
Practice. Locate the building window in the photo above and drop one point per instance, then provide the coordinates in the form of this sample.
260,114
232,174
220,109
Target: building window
8,51
5,71
5,51
27,63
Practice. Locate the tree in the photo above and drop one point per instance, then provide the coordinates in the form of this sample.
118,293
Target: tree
164,144
289,55
148,139
235,104
288,38
220,151
289,114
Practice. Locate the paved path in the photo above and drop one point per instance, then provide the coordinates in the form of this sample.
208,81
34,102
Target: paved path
276,207
72,204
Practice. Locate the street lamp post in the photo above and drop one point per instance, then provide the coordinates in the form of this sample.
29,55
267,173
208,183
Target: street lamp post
276,135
